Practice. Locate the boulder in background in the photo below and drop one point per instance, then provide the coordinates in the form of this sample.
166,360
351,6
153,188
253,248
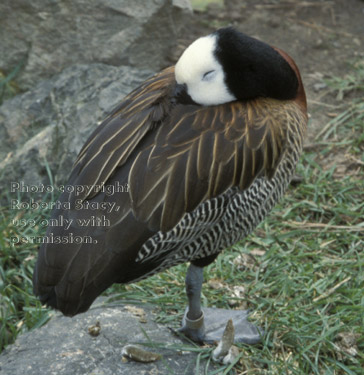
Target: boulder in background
50,123
46,36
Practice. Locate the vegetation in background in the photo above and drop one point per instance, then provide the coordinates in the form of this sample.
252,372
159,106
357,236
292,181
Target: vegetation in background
201,5
8,87
301,272
20,310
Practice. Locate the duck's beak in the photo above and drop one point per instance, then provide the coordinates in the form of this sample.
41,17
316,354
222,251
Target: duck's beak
180,95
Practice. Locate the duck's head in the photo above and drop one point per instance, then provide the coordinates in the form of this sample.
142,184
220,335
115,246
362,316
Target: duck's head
228,65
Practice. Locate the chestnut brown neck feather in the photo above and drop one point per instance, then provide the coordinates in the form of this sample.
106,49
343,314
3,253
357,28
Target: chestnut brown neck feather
301,95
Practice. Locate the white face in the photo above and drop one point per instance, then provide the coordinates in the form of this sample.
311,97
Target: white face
199,69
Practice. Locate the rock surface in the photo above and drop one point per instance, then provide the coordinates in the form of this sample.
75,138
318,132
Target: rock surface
64,347
49,124
46,36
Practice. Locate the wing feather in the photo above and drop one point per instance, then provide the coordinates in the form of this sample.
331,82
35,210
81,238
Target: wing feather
194,192
205,154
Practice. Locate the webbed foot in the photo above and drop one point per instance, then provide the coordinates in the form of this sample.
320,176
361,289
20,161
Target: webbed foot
209,328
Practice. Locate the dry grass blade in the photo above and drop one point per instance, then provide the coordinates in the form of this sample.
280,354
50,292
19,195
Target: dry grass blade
349,228
332,290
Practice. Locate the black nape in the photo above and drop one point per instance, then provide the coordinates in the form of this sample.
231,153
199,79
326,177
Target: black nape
253,68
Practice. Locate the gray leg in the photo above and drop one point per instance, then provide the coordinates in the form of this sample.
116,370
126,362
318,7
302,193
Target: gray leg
194,280
193,320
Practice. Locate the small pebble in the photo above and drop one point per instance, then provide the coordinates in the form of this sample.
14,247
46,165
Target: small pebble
138,354
95,329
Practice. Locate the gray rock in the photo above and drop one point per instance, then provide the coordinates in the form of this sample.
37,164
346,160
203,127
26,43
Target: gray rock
64,347
185,5
49,124
46,36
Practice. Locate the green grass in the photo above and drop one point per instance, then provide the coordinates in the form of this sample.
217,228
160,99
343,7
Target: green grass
302,270
20,310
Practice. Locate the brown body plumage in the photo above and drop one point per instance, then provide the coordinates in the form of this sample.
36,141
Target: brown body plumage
173,157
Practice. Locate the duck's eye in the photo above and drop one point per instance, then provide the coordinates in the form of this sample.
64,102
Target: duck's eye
209,75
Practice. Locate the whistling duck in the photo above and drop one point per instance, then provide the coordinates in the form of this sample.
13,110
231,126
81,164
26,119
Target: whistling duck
205,149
